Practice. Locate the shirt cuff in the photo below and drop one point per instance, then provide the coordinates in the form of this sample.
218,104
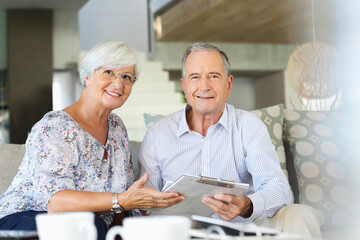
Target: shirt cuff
258,205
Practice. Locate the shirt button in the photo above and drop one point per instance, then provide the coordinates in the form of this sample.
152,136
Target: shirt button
206,141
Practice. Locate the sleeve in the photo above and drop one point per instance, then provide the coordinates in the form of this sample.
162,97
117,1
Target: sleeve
149,163
51,149
271,188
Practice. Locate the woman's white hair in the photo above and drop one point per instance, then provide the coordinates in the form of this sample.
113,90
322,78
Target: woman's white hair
110,54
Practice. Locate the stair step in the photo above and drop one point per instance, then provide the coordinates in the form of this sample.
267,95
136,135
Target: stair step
153,93
151,98
136,134
142,56
152,66
153,76
155,86
162,109
134,123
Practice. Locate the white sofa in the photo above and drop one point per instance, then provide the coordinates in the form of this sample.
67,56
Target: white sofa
316,176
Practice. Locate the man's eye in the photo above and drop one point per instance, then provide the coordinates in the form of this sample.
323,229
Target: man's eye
214,76
194,77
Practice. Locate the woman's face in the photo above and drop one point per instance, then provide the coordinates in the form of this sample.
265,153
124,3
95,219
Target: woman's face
109,92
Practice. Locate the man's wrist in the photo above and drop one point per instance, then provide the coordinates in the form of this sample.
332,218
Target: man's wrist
248,208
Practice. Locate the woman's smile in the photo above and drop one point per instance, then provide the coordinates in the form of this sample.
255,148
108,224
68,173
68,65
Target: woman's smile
113,93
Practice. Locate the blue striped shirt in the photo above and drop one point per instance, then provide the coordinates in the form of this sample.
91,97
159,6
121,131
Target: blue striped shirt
238,148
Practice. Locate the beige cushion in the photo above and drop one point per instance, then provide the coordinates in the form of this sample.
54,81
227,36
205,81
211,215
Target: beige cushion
11,156
323,156
134,149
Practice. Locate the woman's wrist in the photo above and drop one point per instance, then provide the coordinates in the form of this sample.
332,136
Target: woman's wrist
116,207
122,199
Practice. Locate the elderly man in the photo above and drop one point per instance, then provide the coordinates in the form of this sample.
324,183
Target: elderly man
212,138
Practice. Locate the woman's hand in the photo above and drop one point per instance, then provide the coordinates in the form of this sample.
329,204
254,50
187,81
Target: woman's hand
141,196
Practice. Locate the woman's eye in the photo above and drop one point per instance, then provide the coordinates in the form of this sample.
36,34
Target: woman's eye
108,72
127,77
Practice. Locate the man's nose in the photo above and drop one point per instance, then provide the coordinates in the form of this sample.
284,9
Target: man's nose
205,82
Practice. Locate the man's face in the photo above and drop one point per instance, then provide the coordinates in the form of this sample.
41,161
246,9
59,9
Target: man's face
205,85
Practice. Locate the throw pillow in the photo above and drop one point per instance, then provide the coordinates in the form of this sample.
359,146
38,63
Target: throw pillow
150,119
318,142
273,119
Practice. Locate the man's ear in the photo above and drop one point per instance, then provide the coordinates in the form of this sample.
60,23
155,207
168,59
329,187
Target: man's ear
230,81
183,84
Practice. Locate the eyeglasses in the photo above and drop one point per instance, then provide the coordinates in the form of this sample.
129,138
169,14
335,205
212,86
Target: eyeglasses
127,79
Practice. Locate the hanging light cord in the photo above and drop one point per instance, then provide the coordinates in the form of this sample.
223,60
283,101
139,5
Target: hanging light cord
313,20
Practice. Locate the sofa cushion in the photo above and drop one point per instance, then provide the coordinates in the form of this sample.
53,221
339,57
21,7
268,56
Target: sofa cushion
11,156
317,141
272,118
134,149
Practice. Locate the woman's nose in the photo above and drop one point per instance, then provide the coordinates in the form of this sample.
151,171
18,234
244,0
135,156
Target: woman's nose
118,82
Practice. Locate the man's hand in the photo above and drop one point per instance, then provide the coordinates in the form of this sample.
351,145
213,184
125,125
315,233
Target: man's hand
228,207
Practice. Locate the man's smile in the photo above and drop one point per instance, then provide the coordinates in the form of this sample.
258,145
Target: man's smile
204,97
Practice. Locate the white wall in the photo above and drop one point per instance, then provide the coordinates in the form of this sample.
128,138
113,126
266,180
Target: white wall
66,46
124,20
66,53
242,94
349,38
269,90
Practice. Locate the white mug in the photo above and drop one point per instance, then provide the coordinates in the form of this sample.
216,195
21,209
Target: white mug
152,228
69,226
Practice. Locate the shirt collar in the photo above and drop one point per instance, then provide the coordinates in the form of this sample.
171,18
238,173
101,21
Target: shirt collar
224,119
184,127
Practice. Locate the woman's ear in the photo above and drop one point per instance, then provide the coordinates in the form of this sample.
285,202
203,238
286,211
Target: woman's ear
86,80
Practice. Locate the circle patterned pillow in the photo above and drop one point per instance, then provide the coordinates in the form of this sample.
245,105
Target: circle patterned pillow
273,117
318,142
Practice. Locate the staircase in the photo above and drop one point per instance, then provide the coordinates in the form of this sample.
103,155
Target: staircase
152,93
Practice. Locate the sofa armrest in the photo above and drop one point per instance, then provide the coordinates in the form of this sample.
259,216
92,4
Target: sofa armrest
10,159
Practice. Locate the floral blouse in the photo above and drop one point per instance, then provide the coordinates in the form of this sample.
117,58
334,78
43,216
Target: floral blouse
60,155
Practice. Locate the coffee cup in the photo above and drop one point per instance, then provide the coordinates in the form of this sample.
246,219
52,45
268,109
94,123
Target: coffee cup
69,225
152,228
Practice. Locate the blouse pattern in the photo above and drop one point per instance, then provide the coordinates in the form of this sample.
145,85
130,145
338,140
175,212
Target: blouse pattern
60,155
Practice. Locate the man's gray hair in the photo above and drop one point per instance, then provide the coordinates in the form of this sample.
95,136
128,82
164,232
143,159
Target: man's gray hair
109,54
200,46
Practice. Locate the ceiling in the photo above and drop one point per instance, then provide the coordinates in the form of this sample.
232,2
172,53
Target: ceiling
42,4
259,21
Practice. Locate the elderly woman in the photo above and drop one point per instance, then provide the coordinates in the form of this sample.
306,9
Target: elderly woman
78,159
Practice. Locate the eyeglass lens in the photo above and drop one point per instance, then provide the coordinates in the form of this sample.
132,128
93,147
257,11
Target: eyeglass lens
112,75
